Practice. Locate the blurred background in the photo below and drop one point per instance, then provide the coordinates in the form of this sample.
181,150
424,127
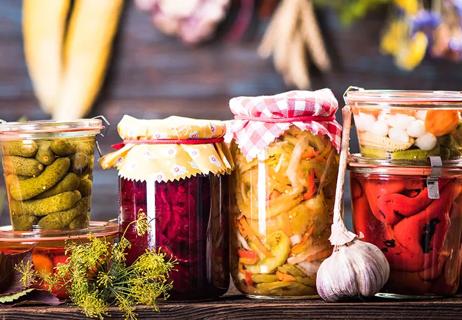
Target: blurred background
164,57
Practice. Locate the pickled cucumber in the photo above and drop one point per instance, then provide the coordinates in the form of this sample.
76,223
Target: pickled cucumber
85,187
279,243
79,162
282,288
61,220
29,188
69,183
23,222
62,147
259,278
20,166
80,222
292,270
373,153
42,207
87,146
307,281
25,148
44,154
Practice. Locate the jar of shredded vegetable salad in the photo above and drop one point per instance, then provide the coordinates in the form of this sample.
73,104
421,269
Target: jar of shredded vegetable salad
285,149
171,170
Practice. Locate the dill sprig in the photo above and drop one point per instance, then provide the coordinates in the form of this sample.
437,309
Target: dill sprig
97,276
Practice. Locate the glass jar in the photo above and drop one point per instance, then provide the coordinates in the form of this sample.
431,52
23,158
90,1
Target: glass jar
407,125
285,148
171,170
48,169
282,215
47,248
190,226
415,218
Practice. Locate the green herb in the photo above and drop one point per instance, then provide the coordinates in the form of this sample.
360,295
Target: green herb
352,10
97,276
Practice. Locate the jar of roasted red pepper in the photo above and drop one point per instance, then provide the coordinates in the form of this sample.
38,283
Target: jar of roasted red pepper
286,154
172,171
414,215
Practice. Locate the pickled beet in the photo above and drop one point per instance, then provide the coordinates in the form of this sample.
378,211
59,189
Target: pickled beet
189,225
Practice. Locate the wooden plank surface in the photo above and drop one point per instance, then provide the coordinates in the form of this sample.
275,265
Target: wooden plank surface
237,307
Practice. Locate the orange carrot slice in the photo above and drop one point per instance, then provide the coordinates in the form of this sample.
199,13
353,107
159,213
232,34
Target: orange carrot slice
311,186
247,232
441,122
42,264
247,257
285,277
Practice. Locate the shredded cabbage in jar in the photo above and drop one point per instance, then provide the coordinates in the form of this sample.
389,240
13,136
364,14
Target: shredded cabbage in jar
279,245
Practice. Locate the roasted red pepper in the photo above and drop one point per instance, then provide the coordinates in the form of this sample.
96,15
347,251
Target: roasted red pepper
395,213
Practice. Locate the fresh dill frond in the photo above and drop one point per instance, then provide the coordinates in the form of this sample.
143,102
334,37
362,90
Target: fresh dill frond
97,276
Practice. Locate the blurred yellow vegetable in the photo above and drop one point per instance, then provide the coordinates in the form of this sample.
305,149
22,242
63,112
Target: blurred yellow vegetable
43,26
67,70
88,45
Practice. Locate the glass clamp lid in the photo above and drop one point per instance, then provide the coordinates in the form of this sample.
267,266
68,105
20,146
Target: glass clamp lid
357,163
35,129
404,98
97,229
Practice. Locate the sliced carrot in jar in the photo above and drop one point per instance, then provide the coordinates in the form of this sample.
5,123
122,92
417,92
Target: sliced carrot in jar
248,278
247,232
248,257
441,122
42,264
285,277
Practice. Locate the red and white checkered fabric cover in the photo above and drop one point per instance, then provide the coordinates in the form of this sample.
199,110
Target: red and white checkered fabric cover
260,120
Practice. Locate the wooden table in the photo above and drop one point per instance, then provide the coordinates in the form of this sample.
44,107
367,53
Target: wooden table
238,307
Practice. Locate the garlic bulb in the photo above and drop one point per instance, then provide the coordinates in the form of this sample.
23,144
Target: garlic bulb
355,267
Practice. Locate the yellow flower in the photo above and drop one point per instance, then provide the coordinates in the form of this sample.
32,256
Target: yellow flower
411,55
410,7
393,37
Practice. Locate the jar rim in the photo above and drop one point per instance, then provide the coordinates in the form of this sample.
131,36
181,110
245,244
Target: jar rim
96,228
8,129
411,98
359,164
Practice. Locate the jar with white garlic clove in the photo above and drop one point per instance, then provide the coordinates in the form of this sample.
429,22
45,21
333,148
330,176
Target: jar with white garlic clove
406,125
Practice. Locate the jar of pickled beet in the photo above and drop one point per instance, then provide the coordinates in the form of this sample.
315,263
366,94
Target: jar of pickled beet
414,215
401,125
285,149
48,170
172,170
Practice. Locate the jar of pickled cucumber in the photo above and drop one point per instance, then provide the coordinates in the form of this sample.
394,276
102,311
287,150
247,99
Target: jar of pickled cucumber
285,148
172,170
48,169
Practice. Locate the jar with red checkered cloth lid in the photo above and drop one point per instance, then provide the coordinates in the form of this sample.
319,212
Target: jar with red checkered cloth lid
285,149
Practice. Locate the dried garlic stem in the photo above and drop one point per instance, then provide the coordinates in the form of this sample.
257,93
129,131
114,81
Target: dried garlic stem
340,235
313,37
